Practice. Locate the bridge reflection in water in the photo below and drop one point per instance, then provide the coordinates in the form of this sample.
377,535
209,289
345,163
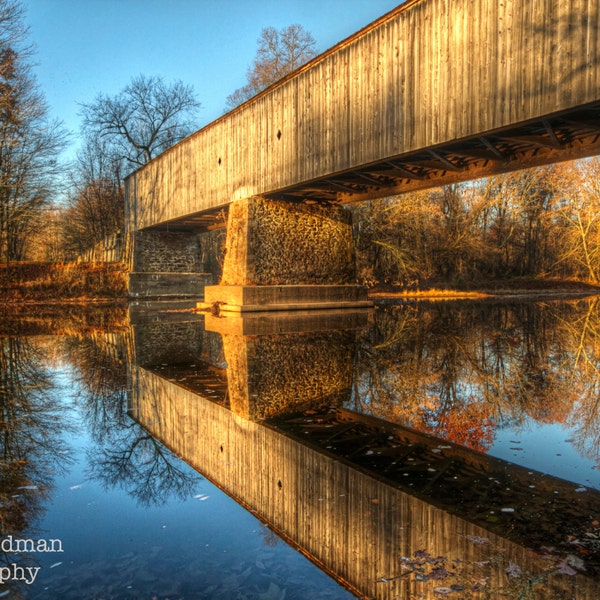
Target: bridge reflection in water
256,404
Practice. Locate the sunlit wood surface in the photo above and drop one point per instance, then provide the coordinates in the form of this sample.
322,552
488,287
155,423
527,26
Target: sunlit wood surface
433,92
356,524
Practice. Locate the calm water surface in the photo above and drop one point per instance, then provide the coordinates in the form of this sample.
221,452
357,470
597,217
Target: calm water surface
412,451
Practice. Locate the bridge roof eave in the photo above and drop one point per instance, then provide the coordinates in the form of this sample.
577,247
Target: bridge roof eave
202,221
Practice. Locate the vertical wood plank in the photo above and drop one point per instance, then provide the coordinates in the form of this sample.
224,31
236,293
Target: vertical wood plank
433,72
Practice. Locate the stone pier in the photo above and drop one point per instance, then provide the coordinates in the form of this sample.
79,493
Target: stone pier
167,264
287,256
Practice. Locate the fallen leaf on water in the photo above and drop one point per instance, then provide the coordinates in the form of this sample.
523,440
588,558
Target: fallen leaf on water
575,562
476,539
513,570
438,573
273,593
565,569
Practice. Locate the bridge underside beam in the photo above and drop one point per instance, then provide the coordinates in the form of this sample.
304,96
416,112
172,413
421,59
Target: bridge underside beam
551,139
287,256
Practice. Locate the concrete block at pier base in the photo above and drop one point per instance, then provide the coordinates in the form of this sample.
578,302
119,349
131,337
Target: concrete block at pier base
249,298
163,285
286,322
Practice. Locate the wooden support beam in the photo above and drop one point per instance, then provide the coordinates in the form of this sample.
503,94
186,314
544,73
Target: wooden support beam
477,153
445,161
343,187
556,142
370,178
535,140
492,148
585,123
406,173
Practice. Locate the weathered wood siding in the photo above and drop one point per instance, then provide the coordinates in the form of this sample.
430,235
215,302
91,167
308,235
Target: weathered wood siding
430,72
110,249
357,527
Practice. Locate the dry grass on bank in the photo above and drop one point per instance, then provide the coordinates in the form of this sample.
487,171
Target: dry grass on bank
56,282
62,318
426,294
489,289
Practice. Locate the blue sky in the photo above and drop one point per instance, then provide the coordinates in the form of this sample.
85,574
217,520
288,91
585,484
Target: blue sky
87,47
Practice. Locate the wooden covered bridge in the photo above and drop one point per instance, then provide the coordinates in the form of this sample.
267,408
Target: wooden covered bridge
434,92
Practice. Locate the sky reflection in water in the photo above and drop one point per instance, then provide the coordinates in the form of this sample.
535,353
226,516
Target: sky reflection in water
202,545
517,381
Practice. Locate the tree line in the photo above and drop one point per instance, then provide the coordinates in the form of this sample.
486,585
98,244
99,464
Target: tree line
541,222
118,134
29,140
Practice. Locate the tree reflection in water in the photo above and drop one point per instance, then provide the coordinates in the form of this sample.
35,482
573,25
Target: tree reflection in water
460,372
124,455
464,374
584,380
31,447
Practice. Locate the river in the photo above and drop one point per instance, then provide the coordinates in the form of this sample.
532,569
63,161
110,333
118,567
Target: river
416,450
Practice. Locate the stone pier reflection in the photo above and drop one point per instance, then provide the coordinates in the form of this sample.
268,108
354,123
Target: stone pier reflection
287,362
262,430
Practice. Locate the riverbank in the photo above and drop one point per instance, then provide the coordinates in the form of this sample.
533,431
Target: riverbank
63,283
510,288
39,282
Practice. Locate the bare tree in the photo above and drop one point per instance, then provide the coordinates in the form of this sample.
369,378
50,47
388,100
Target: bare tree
95,204
31,422
45,244
95,213
144,119
29,142
279,52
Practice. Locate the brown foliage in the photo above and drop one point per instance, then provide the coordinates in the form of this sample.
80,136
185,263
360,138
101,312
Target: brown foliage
542,222
43,282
